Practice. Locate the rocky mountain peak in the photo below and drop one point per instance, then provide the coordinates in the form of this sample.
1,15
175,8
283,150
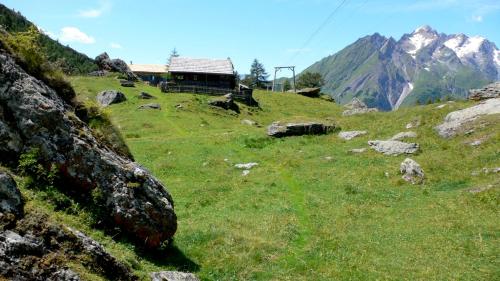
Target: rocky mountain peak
418,39
425,29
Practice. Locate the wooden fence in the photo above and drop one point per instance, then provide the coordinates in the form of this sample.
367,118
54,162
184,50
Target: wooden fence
244,95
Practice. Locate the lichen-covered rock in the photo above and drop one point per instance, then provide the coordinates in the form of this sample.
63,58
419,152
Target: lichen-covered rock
457,120
226,102
127,84
279,130
173,276
155,106
489,92
404,135
412,172
349,135
145,96
109,97
39,250
133,199
11,201
106,64
309,92
393,147
356,107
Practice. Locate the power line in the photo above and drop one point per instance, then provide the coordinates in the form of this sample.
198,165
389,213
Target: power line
318,30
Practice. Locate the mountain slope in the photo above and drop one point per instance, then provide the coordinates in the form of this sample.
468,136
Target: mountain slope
311,209
71,61
423,65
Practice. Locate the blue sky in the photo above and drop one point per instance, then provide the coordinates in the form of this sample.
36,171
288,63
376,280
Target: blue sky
273,31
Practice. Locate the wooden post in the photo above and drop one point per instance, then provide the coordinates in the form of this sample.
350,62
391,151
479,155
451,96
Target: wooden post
278,68
274,80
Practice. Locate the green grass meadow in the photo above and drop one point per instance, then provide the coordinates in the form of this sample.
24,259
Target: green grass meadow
310,210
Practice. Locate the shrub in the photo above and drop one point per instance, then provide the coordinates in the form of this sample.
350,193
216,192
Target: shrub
26,50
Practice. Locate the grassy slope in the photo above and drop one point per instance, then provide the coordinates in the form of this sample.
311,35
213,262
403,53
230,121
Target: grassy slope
299,216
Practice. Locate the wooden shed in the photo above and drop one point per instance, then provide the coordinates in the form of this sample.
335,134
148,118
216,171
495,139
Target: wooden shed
211,73
151,73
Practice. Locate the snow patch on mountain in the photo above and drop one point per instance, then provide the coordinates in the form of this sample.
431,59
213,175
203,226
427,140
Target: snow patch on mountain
464,46
420,41
406,92
496,57
420,38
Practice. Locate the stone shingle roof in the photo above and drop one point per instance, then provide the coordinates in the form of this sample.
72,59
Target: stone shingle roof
210,66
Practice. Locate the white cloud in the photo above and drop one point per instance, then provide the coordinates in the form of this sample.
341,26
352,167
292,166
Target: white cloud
73,34
116,46
96,12
477,18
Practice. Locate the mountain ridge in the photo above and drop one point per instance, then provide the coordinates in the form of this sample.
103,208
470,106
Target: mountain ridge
420,66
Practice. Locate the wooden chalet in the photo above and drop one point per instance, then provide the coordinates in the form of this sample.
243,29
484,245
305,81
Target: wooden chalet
208,73
151,73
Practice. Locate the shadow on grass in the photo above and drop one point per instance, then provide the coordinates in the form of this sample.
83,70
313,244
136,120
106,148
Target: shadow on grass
170,256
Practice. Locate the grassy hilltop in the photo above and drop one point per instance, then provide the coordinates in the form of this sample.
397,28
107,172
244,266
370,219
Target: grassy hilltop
311,210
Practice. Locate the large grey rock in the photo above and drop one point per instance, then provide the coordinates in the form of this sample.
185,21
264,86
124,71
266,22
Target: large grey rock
404,135
226,102
99,255
356,107
457,120
279,130
109,97
309,92
412,172
11,201
145,96
393,147
132,198
127,84
10,141
173,276
349,135
36,249
117,65
489,92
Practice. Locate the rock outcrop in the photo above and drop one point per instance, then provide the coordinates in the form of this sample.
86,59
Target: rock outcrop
132,198
226,102
394,147
356,107
404,135
412,172
145,96
456,121
349,135
309,92
11,201
155,106
116,65
279,130
489,92
127,84
36,249
109,97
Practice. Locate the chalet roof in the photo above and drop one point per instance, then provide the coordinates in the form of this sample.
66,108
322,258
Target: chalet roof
148,68
210,66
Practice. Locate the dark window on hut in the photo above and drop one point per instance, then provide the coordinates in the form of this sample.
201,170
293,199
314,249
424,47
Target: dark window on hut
195,77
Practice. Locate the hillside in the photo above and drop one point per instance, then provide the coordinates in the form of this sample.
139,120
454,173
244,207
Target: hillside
310,210
71,61
423,65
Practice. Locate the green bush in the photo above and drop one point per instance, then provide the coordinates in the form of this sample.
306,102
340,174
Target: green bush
26,50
